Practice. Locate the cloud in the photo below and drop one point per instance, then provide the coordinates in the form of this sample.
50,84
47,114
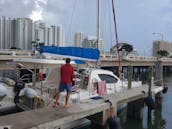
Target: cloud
136,19
17,8
57,11
38,10
159,11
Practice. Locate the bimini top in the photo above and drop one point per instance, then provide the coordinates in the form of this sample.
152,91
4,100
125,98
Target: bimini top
22,62
40,61
72,52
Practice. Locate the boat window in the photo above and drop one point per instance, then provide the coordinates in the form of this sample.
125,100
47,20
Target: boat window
107,78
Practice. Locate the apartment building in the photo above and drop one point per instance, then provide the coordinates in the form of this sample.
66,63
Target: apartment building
161,45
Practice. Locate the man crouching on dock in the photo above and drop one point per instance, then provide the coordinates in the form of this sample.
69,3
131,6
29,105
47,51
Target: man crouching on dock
66,77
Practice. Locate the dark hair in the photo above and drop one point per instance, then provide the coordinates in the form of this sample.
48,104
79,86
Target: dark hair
68,60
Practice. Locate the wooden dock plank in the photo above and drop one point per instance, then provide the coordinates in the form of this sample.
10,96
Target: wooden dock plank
52,117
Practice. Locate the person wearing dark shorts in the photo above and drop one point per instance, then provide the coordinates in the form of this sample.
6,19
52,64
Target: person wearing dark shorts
66,77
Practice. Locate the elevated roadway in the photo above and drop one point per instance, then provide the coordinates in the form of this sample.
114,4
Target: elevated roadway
134,61
105,60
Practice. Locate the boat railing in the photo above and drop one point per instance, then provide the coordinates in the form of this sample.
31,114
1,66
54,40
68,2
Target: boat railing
26,78
15,52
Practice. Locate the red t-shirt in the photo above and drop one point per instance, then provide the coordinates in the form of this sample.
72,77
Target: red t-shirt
66,73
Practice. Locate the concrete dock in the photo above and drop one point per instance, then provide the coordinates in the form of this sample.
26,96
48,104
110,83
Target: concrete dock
51,118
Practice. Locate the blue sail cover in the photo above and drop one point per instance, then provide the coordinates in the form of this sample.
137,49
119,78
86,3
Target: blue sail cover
82,53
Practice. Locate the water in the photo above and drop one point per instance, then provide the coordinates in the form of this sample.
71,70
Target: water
161,118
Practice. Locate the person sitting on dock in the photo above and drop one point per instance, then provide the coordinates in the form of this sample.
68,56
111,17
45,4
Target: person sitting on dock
66,77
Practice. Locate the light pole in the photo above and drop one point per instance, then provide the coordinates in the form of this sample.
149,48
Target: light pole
162,37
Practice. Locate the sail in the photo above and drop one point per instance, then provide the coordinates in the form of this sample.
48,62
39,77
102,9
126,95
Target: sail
73,52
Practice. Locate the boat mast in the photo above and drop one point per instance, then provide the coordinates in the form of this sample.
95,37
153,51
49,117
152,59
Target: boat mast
98,28
117,45
98,24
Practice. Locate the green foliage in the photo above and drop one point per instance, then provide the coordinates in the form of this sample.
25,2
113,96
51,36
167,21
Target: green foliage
127,47
162,53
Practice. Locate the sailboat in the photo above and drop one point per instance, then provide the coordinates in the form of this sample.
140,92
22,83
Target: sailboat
89,81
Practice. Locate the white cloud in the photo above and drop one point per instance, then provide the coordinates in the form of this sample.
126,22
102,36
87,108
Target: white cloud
36,15
38,10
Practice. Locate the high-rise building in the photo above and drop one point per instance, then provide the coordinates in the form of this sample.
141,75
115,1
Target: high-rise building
47,30
59,35
64,43
38,32
91,42
22,33
78,38
61,40
161,45
5,33
56,36
52,36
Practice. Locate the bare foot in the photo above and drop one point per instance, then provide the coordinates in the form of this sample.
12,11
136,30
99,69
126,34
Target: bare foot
67,106
56,104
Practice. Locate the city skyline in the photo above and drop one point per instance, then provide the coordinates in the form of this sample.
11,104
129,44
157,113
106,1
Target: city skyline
136,20
21,33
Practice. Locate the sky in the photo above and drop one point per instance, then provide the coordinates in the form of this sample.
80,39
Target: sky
136,19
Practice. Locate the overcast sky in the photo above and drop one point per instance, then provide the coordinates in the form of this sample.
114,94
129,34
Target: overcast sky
136,19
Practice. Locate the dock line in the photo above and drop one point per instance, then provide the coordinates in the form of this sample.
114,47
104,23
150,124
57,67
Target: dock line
108,101
143,92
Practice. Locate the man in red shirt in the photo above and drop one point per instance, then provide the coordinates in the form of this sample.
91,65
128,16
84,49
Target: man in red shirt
66,77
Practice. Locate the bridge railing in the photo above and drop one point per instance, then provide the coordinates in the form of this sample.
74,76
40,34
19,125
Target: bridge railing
108,57
139,58
128,58
166,59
